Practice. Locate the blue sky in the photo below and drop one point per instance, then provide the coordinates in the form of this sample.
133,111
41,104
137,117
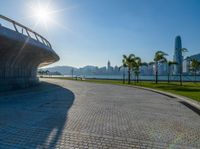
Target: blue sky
91,32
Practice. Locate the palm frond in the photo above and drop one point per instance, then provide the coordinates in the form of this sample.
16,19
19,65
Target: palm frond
131,56
124,57
172,63
160,56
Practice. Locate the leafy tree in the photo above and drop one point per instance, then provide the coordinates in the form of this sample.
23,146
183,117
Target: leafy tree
159,57
194,67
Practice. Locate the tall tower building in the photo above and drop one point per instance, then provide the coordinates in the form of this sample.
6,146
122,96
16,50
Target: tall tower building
108,65
178,57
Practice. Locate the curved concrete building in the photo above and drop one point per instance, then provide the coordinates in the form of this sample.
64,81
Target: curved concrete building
22,51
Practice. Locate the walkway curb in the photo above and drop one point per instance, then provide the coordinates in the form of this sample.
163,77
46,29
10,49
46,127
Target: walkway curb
196,104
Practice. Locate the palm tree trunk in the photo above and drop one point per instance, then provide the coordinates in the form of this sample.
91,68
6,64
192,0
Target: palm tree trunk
156,66
129,76
124,76
168,74
181,80
168,78
156,77
137,78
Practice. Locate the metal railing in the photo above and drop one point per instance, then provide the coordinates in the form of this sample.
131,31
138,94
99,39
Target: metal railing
28,31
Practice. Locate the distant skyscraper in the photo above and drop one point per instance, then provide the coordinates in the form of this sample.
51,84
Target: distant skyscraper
178,57
108,65
186,64
162,69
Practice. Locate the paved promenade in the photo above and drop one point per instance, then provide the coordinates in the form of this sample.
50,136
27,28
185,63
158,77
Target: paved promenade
70,114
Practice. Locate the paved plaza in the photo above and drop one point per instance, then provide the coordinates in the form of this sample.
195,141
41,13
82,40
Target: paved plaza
74,114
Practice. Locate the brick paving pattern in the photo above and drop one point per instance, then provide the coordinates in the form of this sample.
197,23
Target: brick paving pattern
69,114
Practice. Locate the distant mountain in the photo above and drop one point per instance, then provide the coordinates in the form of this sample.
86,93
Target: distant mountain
86,70
64,70
89,67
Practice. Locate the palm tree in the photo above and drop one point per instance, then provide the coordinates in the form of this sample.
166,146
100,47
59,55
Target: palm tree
170,63
159,57
124,66
136,67
195,65
129,61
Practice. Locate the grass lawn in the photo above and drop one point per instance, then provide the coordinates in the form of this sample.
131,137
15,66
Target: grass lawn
189,89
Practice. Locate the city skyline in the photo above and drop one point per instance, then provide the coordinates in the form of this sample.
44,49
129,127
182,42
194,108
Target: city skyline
92,32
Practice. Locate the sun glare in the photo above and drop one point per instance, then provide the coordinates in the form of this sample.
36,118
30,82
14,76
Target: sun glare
42,14
46,14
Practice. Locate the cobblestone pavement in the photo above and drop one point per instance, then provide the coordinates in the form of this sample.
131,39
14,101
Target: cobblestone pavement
70,114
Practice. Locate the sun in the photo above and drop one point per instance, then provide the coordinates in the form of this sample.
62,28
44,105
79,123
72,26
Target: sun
42,13
46,14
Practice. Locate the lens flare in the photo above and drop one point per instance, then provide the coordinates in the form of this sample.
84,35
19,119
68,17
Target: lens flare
42,13
46,14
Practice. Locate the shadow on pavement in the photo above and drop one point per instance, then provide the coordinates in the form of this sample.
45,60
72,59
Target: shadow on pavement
35,117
